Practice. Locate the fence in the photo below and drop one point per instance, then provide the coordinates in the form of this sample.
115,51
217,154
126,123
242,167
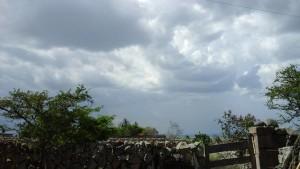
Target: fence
266,141
243,147
261,150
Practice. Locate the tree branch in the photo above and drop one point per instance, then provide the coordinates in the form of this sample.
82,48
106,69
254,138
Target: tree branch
18,114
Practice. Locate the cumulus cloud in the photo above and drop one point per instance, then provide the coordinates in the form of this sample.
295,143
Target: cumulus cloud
151,60
124,67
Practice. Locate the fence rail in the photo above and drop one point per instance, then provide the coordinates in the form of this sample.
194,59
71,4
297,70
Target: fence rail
228,147
241,146
232,161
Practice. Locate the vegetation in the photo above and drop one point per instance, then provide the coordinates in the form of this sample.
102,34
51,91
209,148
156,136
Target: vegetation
61,119
70,117
202,138
126,129
3,128
284,94
150,132
67,116
235,127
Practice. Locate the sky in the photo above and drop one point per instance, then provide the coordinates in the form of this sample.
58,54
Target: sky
152,61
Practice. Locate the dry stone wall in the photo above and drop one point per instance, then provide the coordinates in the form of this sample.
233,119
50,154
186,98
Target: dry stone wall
20,154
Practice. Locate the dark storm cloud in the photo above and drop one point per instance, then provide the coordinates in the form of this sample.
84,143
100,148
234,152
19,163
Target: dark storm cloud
53,70
151,61
25,56
93,25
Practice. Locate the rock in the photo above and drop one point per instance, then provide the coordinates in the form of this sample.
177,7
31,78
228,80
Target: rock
260,124
92,164
272,123
138,153
168,149
292,131
182,145
281,131
147,143
283,153
127,148
192,145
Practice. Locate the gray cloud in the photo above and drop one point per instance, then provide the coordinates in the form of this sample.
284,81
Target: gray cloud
250,79
191,79
151,61
288,46
97,25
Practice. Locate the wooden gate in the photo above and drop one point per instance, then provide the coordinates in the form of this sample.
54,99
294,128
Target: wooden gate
241,146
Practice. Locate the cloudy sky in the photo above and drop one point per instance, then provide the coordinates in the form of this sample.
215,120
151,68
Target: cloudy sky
152,61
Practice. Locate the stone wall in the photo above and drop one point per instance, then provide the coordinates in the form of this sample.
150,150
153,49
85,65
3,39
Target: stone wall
290,156
275,147
20,154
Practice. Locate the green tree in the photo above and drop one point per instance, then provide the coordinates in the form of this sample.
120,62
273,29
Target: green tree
202,138
124,123
3,129
58,120
235,127
150,132
284,94
126,129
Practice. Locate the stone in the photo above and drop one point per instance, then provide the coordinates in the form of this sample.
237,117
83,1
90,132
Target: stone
98,155
272,123
260,123
283,153
182,145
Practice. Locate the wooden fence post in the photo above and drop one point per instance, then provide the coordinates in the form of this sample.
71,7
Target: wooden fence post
206,156
265,148
252,152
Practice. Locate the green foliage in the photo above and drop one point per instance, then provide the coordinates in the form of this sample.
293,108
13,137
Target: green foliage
202,138
235,127
126,129
61,119
150,132
284,94
3,128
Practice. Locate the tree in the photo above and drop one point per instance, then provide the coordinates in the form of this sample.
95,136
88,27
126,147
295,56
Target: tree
235,127
126,129
202,138
3,129
124,123
58,120
150,132
284,94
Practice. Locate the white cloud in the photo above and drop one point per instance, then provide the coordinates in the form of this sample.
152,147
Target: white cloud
135,70
124,67
183,40
269,43
267,73
187,57
240,90
200,49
